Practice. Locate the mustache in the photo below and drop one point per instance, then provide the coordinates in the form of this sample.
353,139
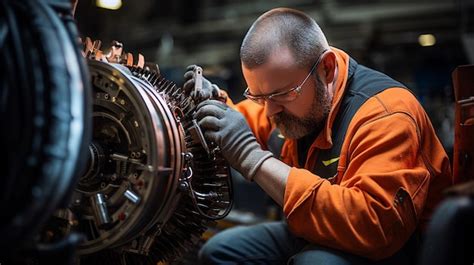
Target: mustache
283,116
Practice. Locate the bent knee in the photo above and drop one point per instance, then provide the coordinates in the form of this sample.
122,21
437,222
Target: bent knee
323,256
219,249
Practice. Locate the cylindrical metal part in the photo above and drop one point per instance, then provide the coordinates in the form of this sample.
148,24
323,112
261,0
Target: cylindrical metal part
99,204
132,196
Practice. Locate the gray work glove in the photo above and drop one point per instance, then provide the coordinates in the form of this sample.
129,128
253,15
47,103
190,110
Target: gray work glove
229,130
209,90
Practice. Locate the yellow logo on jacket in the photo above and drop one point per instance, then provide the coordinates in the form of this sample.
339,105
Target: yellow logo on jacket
330,161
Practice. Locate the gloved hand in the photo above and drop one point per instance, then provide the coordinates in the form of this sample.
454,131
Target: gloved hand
209,90
229,130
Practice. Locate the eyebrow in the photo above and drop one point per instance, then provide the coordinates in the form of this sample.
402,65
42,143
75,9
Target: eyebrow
285,88
282,89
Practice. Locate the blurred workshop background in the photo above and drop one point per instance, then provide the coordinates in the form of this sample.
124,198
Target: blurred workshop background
418,42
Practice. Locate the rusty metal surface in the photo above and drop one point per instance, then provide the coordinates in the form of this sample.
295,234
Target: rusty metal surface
463,159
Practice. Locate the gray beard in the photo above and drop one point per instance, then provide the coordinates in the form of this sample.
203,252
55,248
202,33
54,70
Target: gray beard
293,127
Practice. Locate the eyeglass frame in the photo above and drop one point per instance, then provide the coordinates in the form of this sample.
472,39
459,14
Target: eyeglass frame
295,89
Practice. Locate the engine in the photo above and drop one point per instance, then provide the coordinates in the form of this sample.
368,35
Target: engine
110,163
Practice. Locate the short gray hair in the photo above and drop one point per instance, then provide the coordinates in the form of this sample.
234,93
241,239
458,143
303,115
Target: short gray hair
283,27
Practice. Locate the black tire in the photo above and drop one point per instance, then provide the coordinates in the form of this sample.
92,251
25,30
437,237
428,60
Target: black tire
44,117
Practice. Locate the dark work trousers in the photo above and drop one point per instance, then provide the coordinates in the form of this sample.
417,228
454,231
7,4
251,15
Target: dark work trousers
272,243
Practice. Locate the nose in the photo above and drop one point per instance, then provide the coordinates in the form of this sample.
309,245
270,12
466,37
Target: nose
272,108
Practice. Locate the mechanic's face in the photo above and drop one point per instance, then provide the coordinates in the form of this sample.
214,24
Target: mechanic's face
299,117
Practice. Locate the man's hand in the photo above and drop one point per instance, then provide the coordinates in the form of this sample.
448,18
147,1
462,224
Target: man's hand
229,130
208,91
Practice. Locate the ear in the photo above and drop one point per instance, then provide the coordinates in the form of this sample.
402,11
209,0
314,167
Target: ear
328,66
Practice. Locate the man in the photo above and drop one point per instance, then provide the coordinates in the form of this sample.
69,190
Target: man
361,168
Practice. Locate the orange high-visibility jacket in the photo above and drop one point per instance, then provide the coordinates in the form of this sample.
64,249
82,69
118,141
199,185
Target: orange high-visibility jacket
391,172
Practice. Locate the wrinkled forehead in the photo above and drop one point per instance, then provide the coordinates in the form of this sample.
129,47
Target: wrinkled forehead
274,75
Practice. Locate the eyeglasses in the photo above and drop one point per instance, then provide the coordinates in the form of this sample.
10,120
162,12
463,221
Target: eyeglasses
284,96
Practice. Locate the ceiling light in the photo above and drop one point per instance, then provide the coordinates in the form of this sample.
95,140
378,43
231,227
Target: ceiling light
426,40
109,4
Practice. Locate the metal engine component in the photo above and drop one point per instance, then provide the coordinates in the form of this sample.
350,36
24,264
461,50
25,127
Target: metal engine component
121,174
150,189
